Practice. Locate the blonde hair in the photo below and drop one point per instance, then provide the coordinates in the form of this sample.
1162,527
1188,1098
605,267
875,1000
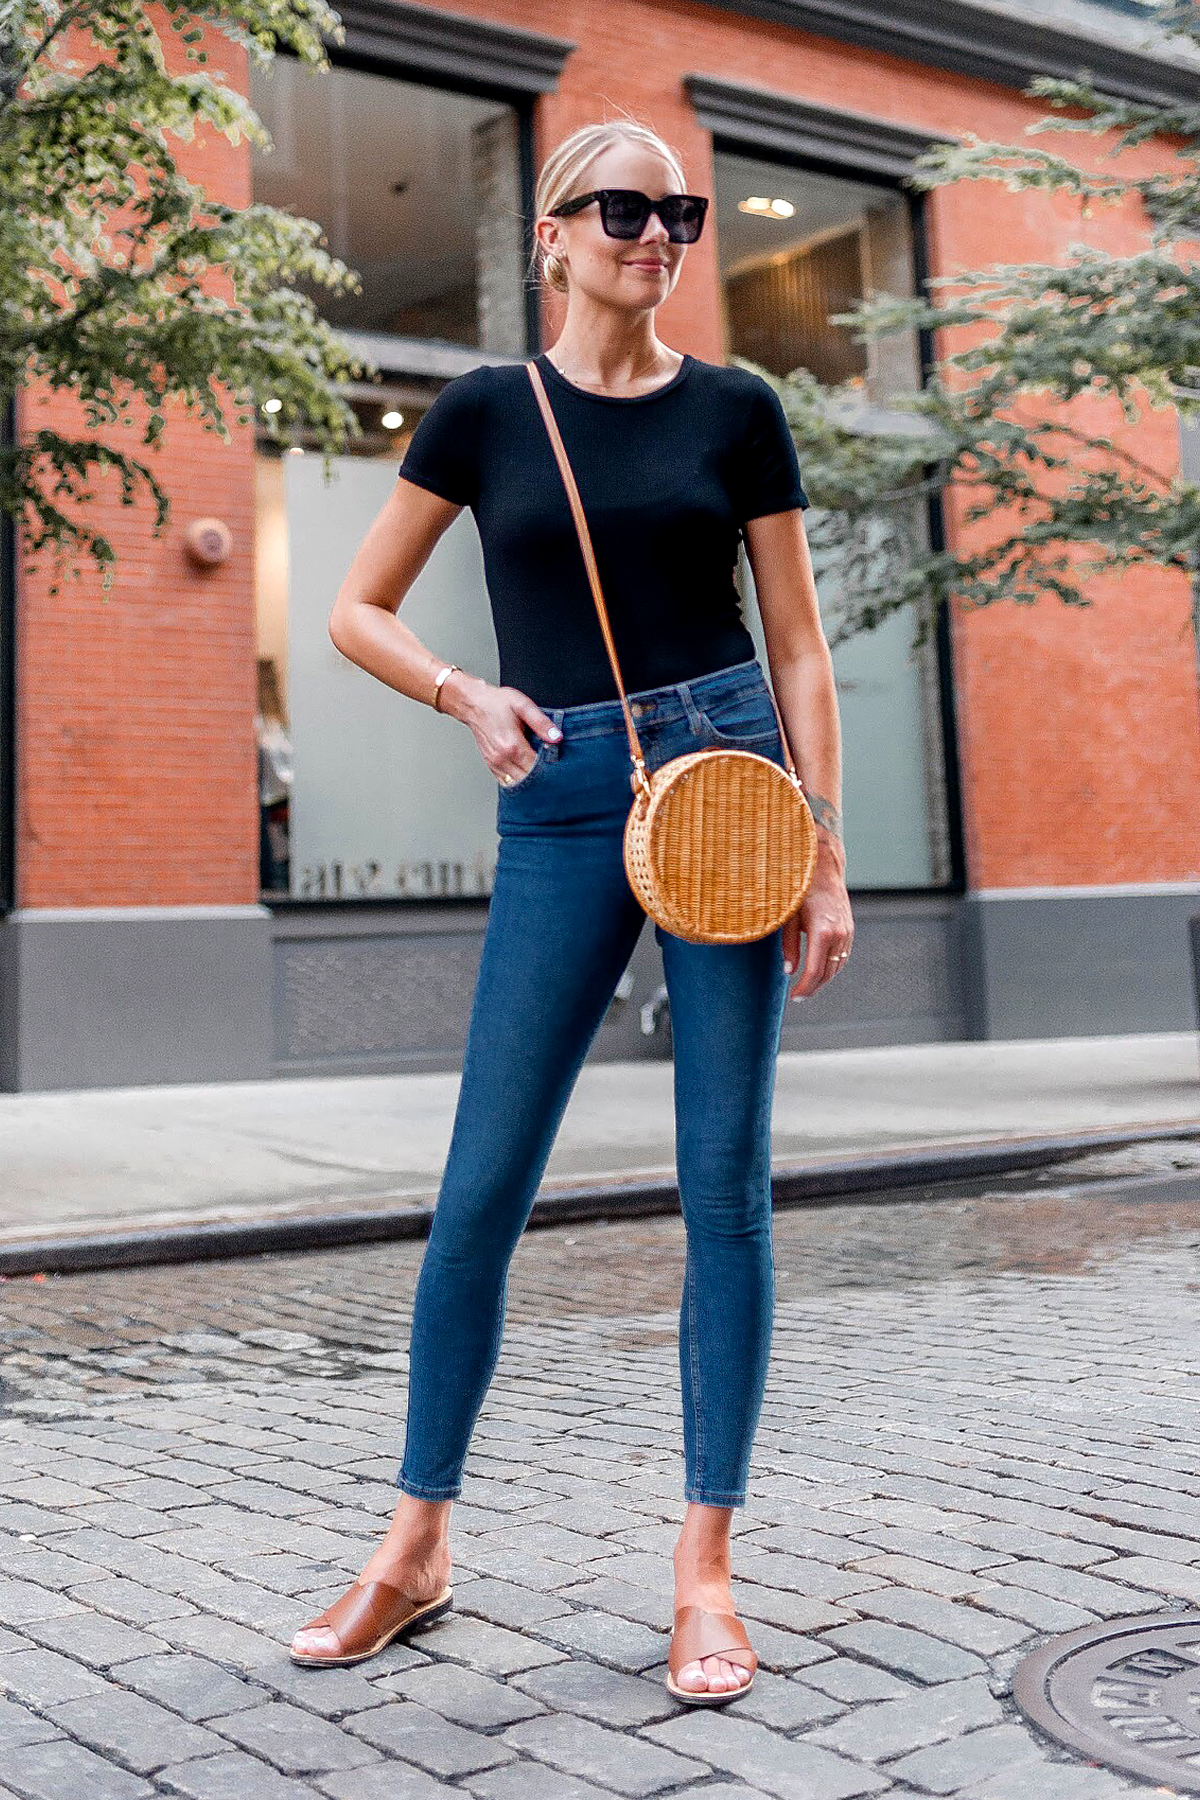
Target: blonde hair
560,174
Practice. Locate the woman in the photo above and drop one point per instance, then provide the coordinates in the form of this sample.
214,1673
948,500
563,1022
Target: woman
672,456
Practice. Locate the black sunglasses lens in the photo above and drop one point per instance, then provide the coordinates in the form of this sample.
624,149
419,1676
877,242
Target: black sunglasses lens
625,214
683,218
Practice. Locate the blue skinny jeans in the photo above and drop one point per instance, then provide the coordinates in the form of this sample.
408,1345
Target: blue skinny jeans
561,927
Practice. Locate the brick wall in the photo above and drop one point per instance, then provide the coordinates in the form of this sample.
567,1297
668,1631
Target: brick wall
136,754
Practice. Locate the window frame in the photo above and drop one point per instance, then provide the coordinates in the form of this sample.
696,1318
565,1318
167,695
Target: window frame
359,54
949,822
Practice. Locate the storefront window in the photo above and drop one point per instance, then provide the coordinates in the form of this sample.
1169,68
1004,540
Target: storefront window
416,188
363,793
795,248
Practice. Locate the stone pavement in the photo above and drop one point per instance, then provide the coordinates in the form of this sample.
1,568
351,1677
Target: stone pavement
979,1429
151,1158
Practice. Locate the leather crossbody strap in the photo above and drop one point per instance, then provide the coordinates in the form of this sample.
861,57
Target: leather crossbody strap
589,557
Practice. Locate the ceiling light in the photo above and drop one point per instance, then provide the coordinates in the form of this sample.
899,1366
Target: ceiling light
392,421
766,208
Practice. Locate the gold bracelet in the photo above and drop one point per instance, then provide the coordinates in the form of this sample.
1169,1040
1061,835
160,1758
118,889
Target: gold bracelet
437,685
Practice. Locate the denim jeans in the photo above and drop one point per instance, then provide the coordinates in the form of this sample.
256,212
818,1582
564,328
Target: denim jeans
561,928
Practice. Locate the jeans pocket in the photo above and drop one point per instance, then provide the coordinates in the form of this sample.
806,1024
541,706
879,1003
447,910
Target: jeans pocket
531,773
744,720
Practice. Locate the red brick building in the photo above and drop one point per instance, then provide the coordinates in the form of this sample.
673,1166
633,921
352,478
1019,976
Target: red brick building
228,853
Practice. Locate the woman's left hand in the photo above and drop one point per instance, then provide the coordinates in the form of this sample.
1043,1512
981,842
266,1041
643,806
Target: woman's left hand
827,924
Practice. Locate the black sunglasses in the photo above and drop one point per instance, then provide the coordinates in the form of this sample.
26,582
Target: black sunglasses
624,212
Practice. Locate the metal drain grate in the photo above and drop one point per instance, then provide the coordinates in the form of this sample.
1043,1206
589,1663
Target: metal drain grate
1125,1693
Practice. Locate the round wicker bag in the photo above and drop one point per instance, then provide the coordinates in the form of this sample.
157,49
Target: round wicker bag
723,847
720,844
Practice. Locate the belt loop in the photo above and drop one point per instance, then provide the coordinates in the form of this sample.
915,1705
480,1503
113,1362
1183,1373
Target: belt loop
689,705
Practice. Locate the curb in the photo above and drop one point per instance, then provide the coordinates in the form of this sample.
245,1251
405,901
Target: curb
890,1175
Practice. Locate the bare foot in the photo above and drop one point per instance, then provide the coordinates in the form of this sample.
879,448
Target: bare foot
414,1557
703,1579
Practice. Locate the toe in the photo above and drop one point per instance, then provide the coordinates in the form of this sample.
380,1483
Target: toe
714,1675
315,1640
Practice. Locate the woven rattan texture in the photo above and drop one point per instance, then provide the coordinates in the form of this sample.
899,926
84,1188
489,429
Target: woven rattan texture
724,849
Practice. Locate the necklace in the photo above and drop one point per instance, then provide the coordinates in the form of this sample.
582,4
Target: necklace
567,377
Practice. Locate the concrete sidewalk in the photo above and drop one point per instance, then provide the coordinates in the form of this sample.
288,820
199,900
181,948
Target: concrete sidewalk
161,1159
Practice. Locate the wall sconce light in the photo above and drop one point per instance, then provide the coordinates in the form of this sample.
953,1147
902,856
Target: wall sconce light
207,542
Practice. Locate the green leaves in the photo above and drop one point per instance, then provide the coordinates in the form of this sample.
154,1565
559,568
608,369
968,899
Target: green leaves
125,285
1022,345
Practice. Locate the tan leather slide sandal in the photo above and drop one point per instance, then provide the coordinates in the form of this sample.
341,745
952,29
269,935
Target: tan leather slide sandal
366,1619
699,1633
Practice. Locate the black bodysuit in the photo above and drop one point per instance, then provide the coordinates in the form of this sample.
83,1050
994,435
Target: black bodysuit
666,480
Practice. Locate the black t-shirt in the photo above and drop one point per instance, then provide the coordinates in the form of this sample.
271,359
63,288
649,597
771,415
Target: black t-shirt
666,480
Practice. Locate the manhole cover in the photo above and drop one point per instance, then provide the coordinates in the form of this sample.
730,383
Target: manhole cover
1125,1692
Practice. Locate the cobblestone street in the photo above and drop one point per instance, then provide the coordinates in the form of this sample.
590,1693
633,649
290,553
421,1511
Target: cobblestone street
979,1429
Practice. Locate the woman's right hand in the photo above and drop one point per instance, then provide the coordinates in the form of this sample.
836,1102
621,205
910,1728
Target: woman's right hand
495,717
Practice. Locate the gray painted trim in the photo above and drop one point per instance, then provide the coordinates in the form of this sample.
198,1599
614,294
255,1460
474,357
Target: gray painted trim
99,997
384,988
777,121
1076,962
454,45
402,918
129,996
978,41
124,915
10,1070
1084,891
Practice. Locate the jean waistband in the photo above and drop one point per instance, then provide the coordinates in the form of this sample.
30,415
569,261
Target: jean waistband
673,701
